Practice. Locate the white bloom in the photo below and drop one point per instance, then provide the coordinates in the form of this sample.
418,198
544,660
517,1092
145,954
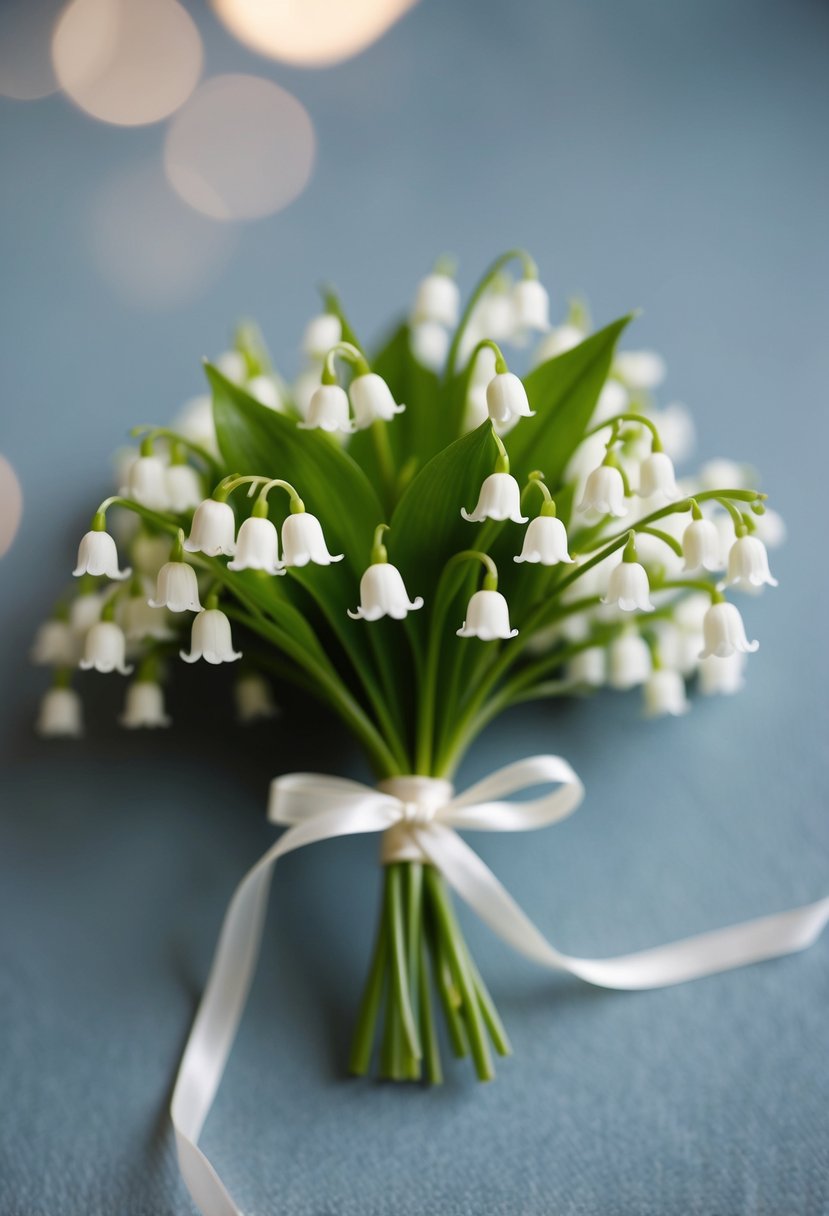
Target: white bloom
146,483
429,344
327,410
664,693
177,588
257,547
213,529
656,476
266,391
722,676
211,639
321,333
545,541
55,644
149,552
531,305
383,593
372,400
499,498
723,475
676,430
701,546
557,342
104,649
97,555
183,486
487,617
84,611
144,706
195,422
494,316
604,492
628,588
253,697
232,365
588,667
770,528
305,385
640,369
613,400
689,612
480,374
60,714
437,300
724,633
303,542
506,398
629,662
142,620
748,565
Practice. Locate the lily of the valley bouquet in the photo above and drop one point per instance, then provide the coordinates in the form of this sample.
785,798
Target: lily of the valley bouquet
420,538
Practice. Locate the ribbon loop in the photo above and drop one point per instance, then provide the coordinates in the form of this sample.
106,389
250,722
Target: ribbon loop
418,817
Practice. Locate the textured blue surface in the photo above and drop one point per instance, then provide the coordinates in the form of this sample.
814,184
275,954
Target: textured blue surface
665,155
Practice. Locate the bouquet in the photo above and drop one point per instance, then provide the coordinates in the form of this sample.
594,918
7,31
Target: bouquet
420,538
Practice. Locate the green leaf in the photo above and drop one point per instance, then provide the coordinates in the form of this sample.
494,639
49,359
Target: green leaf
564,392
427,527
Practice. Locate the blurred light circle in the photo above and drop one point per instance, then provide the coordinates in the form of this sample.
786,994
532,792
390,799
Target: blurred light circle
310,32
11,505
241,148
149,246
127,61
25,36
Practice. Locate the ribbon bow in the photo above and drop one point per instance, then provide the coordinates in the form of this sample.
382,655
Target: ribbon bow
419,818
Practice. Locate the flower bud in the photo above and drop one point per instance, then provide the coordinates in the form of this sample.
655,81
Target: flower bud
640,370
531,305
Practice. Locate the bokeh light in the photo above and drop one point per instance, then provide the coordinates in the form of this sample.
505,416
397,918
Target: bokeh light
312,33
240,149
127,61
11,505
25,60
155,251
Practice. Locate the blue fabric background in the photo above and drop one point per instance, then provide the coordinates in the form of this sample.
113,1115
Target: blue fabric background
669,155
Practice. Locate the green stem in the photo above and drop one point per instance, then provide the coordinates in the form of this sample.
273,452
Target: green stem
397,929
486,279
363,1043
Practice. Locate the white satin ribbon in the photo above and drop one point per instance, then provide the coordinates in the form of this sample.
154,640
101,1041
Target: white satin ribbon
419,817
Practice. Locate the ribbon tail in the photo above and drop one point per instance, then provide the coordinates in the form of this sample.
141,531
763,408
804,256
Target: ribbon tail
675,963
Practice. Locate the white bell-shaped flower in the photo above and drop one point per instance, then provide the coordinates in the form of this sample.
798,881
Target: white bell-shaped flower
701,546
213,530
183,486
487,617
383,593
144,706
321,333
642,370
531,306
372,400
437,300
146,483
506,399
210,639
588,667
724,474
748,565
177,588
628,587
629,661
140,619
676,430
303,542
55,645
494,315
612,400
195,422
545,541
770,528
328,410
604,492
84,611
722,677
499,498
98,555
664,694
257,547
265,390
657,477
429,344
557,342
724,633
61,714
253,697
232,365
104,649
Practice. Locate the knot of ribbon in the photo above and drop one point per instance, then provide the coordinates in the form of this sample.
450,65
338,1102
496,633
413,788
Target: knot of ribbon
419,819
